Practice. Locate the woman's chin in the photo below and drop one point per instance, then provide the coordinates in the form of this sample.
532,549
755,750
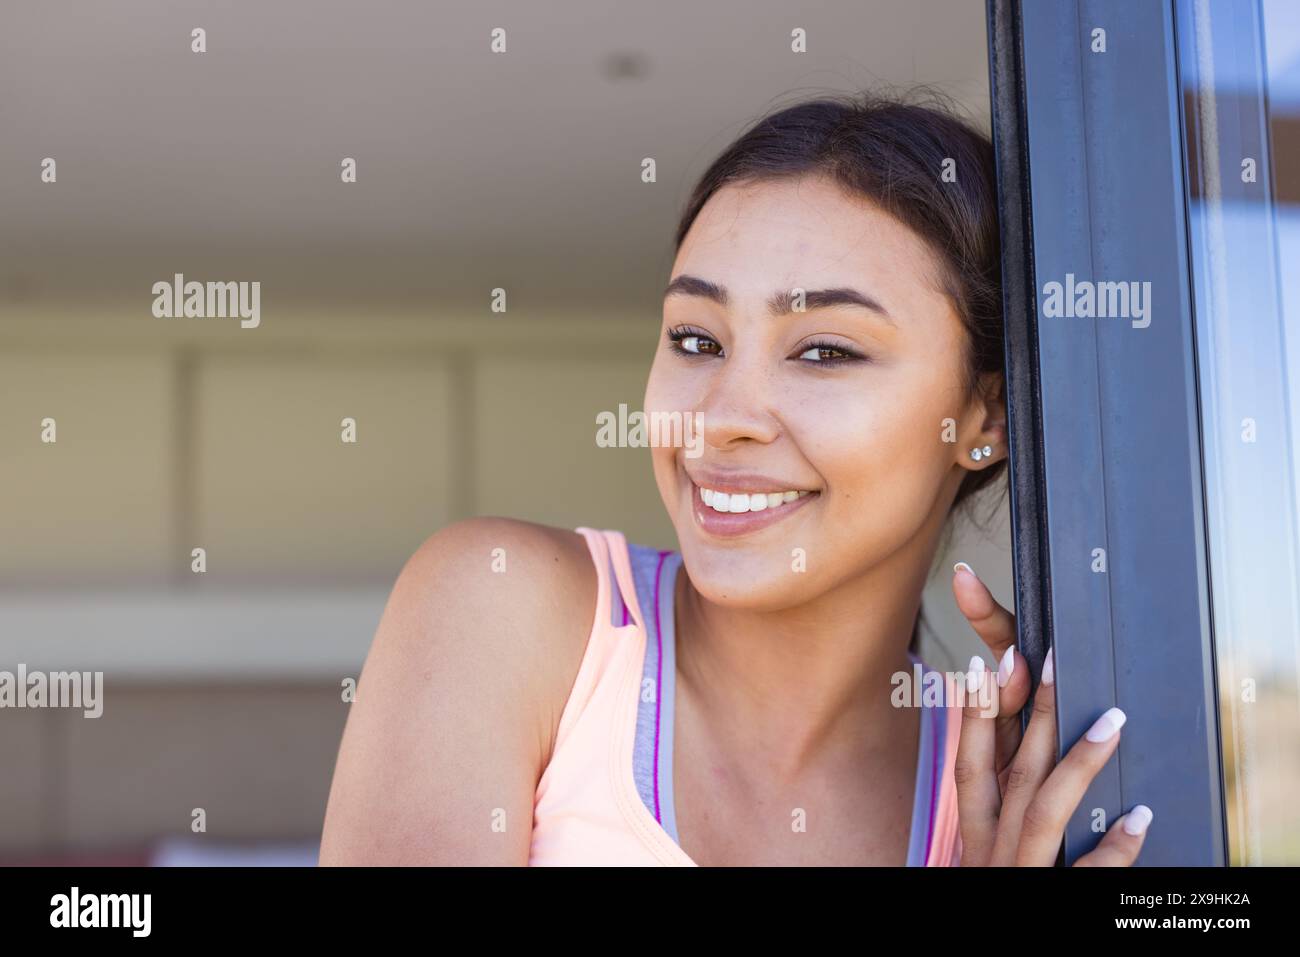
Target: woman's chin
758,580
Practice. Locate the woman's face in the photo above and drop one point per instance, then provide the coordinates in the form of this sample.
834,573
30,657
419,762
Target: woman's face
844,402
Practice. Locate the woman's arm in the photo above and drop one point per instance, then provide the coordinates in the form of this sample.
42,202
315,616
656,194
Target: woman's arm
460,697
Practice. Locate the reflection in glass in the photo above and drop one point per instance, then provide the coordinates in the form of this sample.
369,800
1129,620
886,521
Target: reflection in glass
1239,65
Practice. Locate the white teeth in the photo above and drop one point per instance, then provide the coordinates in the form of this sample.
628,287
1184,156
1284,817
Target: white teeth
735,502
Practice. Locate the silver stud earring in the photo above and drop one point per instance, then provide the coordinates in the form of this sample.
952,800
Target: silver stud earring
978,454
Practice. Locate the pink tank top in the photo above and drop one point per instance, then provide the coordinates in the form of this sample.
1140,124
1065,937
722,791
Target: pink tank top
587,810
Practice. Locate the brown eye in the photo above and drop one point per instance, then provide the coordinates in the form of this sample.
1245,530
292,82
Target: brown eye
830,354
824,354
689,341
700,345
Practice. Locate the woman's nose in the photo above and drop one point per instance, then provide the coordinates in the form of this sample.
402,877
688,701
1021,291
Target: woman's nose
736,407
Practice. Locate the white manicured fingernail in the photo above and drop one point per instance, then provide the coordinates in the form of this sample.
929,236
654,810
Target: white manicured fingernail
975,675
1049,671
1104,728
962,565
1006,666
1136,820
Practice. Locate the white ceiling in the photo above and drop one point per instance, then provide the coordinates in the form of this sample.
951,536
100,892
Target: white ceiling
475,169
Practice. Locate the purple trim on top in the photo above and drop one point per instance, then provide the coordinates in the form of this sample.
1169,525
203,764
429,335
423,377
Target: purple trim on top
940,727
659,678
624,614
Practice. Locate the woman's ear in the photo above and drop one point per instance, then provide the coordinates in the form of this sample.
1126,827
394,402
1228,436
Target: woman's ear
989,416
992,387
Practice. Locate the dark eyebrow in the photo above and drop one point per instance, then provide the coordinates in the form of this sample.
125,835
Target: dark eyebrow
692,286
780,303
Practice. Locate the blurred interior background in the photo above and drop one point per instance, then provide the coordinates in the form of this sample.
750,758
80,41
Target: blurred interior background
475,171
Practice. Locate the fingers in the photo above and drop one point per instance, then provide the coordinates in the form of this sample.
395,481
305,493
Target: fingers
997,628
974,773
993,623
1044,820
1033,762
1122,843
1022,821
1013,679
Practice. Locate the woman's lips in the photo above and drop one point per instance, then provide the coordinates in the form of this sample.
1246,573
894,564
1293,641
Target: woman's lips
731,524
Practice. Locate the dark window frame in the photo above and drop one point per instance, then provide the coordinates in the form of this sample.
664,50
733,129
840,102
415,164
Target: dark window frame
1104,419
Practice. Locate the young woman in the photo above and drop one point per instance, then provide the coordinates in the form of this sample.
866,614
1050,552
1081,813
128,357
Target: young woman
543,696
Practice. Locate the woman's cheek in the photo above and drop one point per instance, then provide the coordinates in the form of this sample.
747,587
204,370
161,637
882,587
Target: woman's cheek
881,456
669,387
843,431
667,393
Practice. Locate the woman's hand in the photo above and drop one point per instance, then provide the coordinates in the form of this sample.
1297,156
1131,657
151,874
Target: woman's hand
1013,804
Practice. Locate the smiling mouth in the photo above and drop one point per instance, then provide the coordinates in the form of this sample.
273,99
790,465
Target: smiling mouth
729,514
739,502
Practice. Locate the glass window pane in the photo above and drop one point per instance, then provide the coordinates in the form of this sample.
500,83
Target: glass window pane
1240,74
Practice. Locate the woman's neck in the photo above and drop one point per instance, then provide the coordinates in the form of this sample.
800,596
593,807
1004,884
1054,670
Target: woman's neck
802,684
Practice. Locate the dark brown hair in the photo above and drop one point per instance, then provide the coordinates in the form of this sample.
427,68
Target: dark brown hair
894,151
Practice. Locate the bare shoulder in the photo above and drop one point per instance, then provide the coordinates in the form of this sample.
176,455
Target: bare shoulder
460,697
526,590
525,572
